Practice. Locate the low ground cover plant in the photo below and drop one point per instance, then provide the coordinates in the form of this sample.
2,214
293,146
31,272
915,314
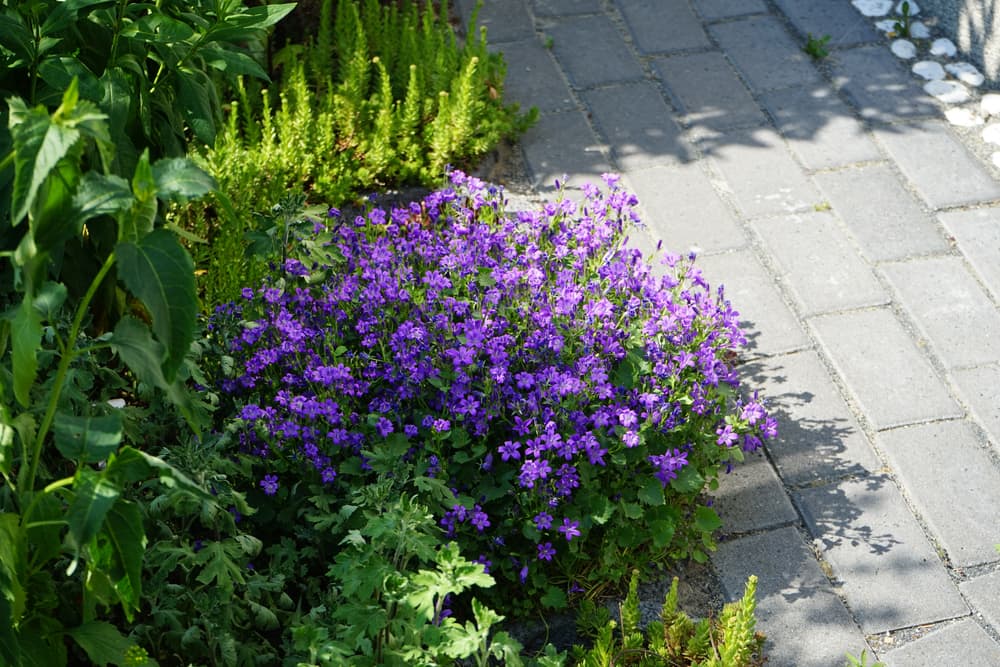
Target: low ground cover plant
558,406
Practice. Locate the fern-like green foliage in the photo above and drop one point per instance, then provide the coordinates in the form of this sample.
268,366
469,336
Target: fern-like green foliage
675,640
383,96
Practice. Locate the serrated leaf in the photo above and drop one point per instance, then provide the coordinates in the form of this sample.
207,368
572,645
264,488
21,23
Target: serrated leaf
118,551
133,465
160,272
652,492
98,194
218,566
688,481
706,519
49,300
180,179
263,617
87,439
554,598
26,337
93,497
663,533
103,642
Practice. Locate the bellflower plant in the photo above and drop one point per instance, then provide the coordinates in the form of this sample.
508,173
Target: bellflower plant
575,403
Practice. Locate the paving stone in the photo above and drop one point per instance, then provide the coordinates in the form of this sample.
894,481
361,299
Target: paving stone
977,232
950,308
592,51
533,79
964,642
980,387
709,92
878,85
761,173
560,144
955,500
984,595
844,24
818,438
566,7
820,129
638,124
769,325
819,263
505,22
681,207
938,165
751,497
884,218
883,369
889,573
805,622
721,9
663,25
764,51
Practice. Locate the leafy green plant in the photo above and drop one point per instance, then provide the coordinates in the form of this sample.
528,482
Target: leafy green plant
676,640
862,661
902,27
815,47
384,97
69,530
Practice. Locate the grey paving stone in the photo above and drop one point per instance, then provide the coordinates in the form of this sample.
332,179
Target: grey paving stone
504,21
889,573
761,173
566,7
956,500
592,51
820,129
977,232
561,144
764,51
939,167
950,308
881,214
683,209
843,23
533,79
980,387
721,9
818,438
806,623
769,325
881,366
751,497
878,85
819,263
984,595
638,125
663,25
958,643
709,92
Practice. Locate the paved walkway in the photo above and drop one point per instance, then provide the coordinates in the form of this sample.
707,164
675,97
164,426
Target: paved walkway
860,238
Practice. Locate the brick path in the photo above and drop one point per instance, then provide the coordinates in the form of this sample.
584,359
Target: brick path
860,239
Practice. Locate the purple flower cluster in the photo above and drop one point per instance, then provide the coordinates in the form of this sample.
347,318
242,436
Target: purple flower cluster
535,353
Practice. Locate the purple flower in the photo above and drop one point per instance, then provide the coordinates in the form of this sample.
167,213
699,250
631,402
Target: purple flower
543,521
727,437
570,529
546,551
269,484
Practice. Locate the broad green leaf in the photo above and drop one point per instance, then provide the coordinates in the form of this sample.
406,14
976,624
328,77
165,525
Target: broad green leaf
42,642
160,272
137,222
45,537
118,101
652,492
118,551
53,215
239,26
59,73
93,497
26,337
663,533
13,565
194,96
16,37
49,300
144,356
232,62
87,439
39,145
554,598
103,642
688,481
159,28
65,14
706,519
6,449
98,194
180,179
132,465
218,566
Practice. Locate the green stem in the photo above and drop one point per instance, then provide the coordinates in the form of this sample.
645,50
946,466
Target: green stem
64,361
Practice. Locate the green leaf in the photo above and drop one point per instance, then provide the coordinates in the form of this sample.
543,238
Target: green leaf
39,145
16,37
26,338
160,272
663,533
94,496
53,216
232,62
554,598
195,100
13,565
87,439
218,566
180,179
632,511
59,73
706,519
103,642
652,492
97,194
118,551
688,481
49,300
133,465
253,18
158,28
6,449
137,223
